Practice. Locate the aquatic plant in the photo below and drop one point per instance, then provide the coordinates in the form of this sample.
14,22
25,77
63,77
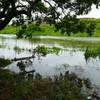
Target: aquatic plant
41,49
92,52
46,50
2,46
17,49
4,62
56,49
23,64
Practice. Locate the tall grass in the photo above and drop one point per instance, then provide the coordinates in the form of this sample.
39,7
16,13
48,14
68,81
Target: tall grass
92,52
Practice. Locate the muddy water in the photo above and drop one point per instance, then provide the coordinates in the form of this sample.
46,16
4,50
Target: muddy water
52,64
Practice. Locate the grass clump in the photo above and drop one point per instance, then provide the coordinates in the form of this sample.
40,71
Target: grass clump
4,62
41,49
92,52
55,50
46,50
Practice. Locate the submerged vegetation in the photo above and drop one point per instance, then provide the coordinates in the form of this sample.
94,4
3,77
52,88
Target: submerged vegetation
17,49
39,50
46,50
90,49
67,42
2,46
4,62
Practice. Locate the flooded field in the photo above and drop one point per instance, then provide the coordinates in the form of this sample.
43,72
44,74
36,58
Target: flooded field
71,58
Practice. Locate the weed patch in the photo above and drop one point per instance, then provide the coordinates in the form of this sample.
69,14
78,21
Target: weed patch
62,87
92,52
4,62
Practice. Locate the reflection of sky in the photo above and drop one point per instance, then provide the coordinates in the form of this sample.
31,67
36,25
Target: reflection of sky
52,63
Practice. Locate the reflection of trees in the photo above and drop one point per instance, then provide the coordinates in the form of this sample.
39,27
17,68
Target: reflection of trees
68,42
22,66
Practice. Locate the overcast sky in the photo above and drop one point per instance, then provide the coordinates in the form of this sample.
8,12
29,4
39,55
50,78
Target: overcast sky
94,13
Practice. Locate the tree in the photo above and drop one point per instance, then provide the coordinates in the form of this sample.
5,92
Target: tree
69,24
90,28
43,10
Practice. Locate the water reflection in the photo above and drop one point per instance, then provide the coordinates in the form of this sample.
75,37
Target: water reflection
51,64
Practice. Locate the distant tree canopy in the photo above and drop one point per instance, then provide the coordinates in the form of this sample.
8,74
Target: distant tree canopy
70,24
50,11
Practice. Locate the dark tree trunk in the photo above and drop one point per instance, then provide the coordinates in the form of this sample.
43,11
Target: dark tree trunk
8,18
13,13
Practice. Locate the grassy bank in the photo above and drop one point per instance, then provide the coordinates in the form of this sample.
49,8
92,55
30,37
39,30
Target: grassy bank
62,87
47,30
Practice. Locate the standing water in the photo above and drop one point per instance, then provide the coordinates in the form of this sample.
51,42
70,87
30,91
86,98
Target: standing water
71,58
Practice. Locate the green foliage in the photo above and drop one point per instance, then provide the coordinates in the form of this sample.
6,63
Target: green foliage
32,28
41,7
2,46
22,90
62,87
17,49
79,34
10,30
44,50
20,34
90,28
44,10
4,62
70,24
94,52
97,28
39,49
81,28
41,30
